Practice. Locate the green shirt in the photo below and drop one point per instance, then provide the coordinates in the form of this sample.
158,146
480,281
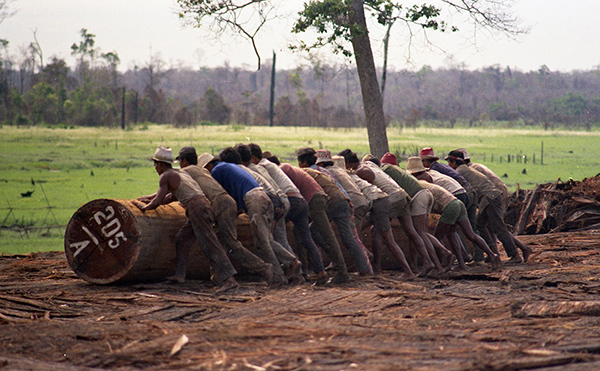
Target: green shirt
405,180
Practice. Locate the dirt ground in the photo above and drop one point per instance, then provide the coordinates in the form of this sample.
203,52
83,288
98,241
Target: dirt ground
542,315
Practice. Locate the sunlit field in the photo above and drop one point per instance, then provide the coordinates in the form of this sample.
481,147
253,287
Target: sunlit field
65,168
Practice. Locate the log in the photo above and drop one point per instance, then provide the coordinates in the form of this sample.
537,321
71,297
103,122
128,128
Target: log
109,241
524,216
112,241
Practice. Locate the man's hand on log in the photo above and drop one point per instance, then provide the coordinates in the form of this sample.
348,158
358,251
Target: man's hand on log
140,205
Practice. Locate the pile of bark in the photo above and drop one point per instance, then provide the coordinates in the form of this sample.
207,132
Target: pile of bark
556,207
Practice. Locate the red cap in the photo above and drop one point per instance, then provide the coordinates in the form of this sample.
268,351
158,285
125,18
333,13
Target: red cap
389,158
427,154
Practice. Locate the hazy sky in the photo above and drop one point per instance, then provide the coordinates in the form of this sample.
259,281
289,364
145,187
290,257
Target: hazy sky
562,36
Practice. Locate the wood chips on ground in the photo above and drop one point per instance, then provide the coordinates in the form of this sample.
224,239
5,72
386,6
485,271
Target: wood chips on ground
543,315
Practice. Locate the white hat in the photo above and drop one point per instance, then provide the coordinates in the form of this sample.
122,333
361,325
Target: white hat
204,159
414,164
339,161
163,154
367,157
323,155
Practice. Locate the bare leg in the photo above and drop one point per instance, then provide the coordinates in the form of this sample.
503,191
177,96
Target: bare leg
376,247
415,238
388,238
441,251
526,250
465,227
421,225
455,243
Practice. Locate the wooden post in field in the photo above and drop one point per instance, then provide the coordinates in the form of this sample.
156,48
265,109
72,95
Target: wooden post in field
123,110
135,120
272,100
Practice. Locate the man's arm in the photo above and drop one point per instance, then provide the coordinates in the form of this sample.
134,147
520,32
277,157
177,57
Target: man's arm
160,197
366,174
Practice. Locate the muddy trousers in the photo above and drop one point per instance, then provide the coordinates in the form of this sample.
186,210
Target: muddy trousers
199,228
260,211
227,233
298,215
322,233
493,216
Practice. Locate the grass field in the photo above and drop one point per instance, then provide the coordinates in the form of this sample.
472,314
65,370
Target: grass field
65,168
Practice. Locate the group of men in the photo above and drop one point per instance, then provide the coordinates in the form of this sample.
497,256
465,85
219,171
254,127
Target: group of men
349,192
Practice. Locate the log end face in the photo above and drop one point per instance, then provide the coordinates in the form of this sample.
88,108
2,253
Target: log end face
101,240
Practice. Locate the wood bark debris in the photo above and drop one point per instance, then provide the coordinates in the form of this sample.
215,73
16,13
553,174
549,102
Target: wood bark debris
542,315
556,207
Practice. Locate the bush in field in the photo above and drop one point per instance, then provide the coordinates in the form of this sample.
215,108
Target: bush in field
183,117
91,106
42,104
214,108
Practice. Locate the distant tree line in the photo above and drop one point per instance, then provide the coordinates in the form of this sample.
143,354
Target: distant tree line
95,93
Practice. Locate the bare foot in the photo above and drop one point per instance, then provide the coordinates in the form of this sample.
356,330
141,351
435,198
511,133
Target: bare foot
526,252
322,278
278,281
515,259
425,270
340,277
176,279
407,276
495,260
268,273
297,280
295,268
448,266
229,284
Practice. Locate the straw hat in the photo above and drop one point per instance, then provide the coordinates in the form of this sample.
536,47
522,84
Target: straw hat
414,165
204,159
367,157
323,155
339,161
163,154
427,154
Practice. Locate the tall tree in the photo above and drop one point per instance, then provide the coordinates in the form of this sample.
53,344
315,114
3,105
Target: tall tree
85,49
342,22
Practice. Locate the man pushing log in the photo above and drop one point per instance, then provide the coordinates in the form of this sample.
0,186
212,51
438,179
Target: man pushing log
175,185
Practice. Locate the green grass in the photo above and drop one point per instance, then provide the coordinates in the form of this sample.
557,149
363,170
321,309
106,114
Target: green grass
60,162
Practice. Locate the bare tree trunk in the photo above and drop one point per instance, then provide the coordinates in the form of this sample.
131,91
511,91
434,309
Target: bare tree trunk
386,46
365,65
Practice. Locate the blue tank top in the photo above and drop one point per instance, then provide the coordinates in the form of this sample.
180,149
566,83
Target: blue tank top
236,181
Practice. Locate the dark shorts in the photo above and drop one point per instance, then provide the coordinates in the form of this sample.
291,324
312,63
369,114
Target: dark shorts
400,208
454,212
379,215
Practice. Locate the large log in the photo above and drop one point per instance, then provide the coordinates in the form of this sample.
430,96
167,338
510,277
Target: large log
109,241
112,241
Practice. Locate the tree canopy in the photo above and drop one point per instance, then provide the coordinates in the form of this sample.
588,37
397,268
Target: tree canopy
342,23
